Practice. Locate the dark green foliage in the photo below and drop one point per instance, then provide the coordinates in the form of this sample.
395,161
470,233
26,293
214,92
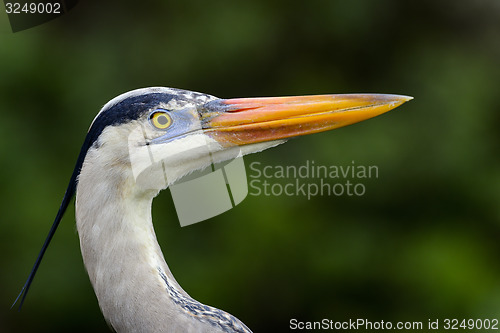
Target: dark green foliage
423,242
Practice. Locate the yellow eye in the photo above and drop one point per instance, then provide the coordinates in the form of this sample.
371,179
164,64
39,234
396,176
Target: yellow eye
160,120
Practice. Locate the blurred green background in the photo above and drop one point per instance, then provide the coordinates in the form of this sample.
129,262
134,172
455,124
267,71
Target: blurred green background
422,243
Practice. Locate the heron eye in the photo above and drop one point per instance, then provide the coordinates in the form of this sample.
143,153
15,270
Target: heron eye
160,120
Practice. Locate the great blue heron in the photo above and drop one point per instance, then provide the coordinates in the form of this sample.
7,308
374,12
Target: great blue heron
135,289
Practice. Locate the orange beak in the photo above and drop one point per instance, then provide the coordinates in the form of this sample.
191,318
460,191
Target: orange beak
243,121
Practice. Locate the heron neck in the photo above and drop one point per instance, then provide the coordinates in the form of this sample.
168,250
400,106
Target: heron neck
122,257
133,284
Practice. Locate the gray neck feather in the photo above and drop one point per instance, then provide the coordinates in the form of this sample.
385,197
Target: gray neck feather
133,284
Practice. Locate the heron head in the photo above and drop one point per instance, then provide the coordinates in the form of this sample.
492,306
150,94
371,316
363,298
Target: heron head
161,134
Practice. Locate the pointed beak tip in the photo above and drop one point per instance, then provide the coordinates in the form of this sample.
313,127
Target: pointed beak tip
394,101
405,98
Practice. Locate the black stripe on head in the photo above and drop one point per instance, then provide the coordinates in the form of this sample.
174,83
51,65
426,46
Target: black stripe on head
129,109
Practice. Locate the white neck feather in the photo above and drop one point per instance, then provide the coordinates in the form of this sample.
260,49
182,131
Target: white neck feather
133,284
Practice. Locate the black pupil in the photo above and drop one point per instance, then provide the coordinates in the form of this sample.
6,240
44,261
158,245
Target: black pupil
162,120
